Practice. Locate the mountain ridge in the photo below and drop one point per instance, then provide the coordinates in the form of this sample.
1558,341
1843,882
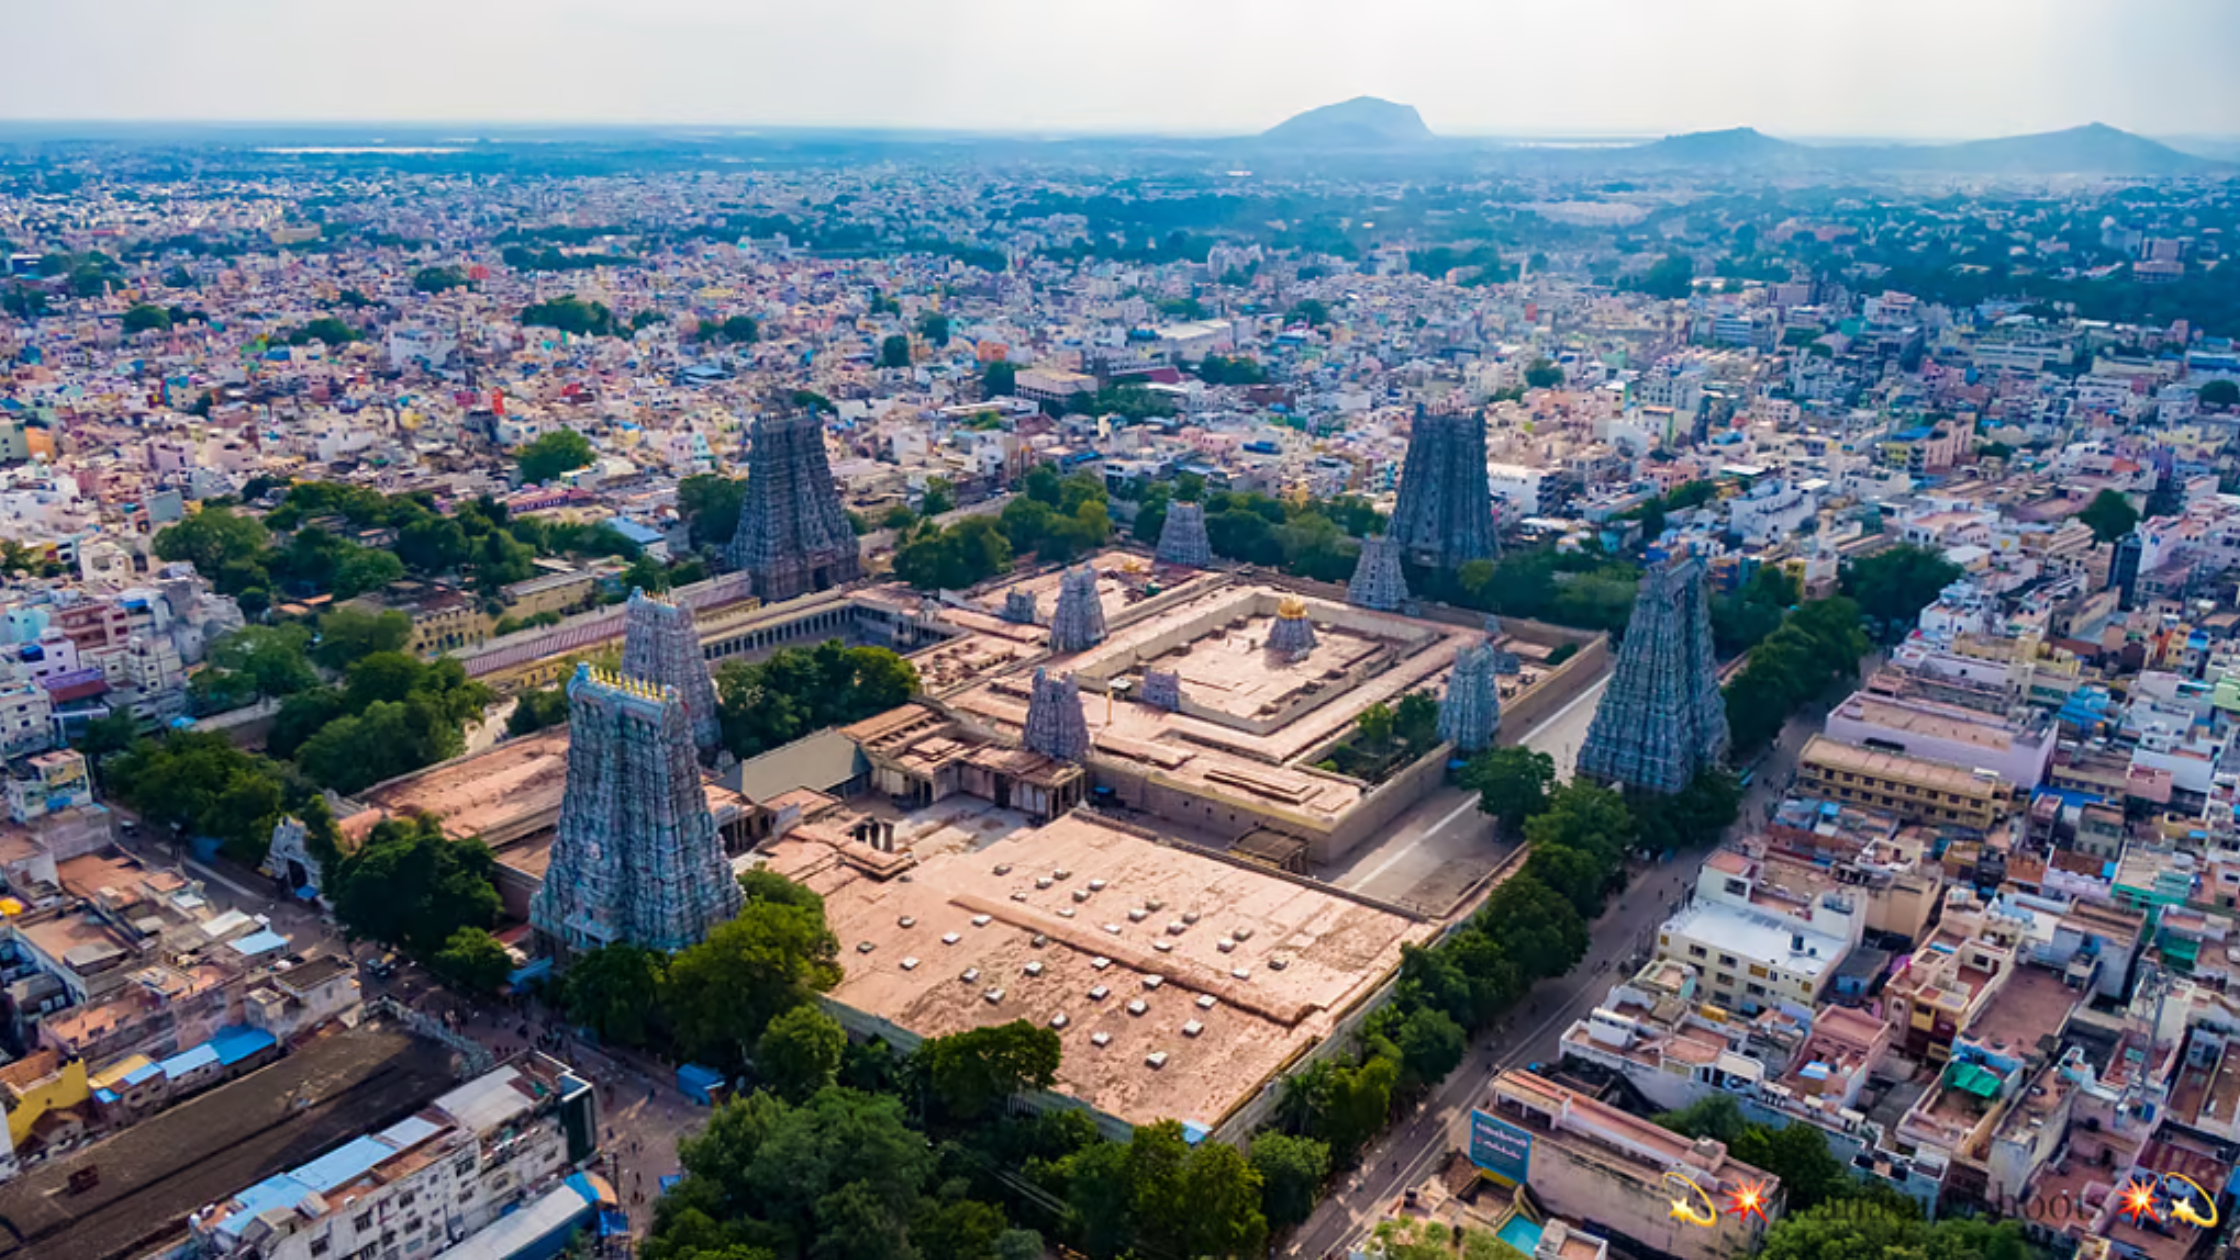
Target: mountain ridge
1363,122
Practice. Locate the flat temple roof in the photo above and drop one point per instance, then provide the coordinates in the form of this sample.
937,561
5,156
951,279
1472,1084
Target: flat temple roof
1307,956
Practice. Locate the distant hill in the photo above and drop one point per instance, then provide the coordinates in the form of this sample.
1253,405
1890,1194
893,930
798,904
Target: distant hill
1364,122
2094,149
1740,145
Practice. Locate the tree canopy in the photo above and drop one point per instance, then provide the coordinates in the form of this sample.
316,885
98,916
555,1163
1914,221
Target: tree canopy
2110,515
972,1073
721,994
798,691
554,452
1893,586
413,886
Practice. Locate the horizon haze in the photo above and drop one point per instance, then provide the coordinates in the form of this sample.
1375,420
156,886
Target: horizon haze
1902,70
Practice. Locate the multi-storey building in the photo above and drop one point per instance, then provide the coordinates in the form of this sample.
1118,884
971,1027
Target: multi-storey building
423,1185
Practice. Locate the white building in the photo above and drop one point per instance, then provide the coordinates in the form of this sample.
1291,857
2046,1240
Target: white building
1519,486
423,1185
1773,510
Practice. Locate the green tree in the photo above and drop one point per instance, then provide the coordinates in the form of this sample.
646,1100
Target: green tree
536,710
954,557
934,327
1893,586
975,1073
439,279
894,352
799,1053
1313,312
839,1177
273,658
348,634
738,330
709,505
615,992
361,569
1431,1045
570,315
939,497
411,885
1536,927
1375,725
965,1229
554,452
2219,393
999,379
433,545
146,318
1542,374
1512,783
1798,1154
473,960
106,736
1852,1229
215,540
1416,720
721,993
1713,1116
1292,1171
1671,277
2110,515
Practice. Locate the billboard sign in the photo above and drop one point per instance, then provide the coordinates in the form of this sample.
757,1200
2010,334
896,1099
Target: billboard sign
1502,1150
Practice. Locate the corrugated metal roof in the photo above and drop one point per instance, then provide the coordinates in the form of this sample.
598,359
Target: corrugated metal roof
487,1101
188,1060
344,1165
410,1132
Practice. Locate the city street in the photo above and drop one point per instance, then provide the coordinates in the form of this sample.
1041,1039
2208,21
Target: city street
1407,1152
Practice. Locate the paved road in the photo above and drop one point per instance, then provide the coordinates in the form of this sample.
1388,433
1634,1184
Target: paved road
1411,1149
1560,733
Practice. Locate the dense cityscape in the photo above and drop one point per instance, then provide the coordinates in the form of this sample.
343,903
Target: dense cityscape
841,696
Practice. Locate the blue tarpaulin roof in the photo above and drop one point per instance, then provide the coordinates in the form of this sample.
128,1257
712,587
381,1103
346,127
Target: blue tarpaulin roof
256,943
238,1042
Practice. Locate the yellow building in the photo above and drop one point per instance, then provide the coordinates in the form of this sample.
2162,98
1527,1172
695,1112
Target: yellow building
551,592
38,1085
1908,787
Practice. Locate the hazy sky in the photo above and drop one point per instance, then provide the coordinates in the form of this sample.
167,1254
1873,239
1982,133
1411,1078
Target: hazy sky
1930,68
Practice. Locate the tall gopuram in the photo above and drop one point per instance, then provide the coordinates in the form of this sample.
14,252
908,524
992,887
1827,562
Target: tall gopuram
1183,540
1056,727
1662,719
660,645
1470,712
637,858
1377,581
1077,623
1443,518
793,537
